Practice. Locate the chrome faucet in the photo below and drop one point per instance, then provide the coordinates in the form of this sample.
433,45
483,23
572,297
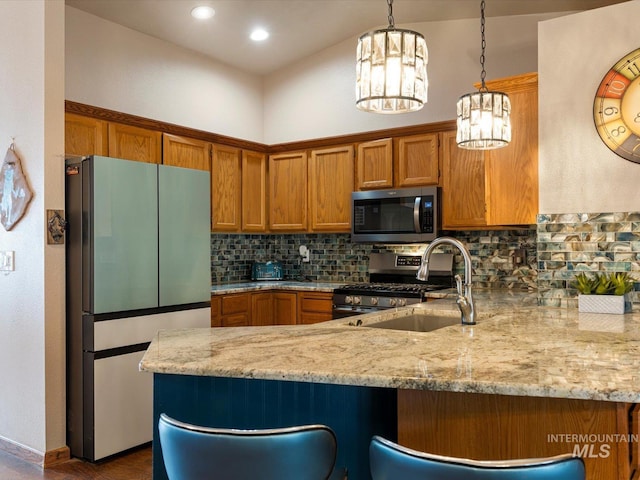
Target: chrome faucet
464,300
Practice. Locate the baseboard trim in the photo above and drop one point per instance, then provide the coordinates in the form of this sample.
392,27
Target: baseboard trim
56,457
45,460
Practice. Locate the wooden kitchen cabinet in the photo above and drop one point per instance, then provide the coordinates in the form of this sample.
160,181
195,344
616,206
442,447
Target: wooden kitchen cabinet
270,307
288,192
285,308
398,163
512,171
226,193
235,310
416,160
330,186
254,191
374,165
215,311
314,307
186,152
463,185
85,136
262,309
495,188
273,308
134,143
501,427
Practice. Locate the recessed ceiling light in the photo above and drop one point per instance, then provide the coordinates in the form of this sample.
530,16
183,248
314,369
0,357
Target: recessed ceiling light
259,34
203,12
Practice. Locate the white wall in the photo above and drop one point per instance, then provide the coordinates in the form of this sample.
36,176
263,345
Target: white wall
32,398
114,67
316,97
578,173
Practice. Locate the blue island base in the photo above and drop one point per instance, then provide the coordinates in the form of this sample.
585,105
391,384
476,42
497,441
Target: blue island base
354,413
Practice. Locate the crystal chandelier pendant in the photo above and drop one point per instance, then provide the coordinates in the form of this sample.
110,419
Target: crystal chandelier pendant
483,120
391,70
483,117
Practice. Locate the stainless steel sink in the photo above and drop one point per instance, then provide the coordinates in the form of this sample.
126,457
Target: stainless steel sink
417,323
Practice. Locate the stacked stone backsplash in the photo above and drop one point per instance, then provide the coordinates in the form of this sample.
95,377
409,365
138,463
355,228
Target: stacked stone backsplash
334,258
575,242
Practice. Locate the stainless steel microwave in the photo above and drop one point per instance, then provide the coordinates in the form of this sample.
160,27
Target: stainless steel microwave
406,215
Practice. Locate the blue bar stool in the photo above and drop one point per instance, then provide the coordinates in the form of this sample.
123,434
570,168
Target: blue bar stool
390,461
193,452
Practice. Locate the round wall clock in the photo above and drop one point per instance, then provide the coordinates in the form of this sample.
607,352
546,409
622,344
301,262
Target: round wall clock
616,108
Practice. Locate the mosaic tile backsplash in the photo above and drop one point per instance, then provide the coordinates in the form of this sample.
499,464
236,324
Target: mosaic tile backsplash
576,242
334,258
560,246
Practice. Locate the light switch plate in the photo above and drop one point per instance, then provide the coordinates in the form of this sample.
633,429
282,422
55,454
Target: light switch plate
7,263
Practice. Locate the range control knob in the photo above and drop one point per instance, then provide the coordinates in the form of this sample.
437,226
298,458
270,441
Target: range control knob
348,299
392,302
402,302
374,300
357,300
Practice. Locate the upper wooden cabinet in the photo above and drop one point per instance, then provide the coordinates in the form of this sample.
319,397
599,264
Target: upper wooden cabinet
416,160
288,192
463,188
134,143
85,136
397,163
330,186
186,152
374,165
226,191
512,171
254,191
495,187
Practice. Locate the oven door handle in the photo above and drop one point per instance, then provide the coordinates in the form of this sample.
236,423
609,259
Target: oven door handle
416,214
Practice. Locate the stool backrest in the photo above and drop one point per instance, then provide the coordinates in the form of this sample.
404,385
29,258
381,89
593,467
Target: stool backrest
390,461
193,452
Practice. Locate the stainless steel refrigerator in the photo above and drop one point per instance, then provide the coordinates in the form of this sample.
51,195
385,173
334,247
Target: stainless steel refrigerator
137,261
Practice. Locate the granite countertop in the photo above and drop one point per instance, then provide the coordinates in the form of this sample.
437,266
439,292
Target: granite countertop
516,348
240,287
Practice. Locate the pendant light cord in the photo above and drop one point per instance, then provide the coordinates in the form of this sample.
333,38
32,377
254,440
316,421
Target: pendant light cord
390,15
483,74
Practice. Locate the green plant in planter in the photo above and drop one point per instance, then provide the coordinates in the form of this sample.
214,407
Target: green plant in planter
617,283
622,283
584,283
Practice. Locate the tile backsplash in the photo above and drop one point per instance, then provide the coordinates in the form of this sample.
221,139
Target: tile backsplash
334,258
557,248
575,242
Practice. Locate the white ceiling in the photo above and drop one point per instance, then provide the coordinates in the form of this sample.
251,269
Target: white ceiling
298,27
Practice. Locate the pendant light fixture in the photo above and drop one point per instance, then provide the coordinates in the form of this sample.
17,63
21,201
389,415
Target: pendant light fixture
391,70
483,116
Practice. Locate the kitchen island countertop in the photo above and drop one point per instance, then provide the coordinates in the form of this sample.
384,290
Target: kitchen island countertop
516,348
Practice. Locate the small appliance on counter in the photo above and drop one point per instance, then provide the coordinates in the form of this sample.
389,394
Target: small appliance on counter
271,270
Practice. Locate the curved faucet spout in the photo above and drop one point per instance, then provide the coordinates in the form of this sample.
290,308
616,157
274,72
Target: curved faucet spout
465,298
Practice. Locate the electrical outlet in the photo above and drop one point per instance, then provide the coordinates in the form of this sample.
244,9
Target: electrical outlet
520,256
304,253
7,261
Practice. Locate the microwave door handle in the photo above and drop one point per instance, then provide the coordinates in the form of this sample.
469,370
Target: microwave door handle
416,214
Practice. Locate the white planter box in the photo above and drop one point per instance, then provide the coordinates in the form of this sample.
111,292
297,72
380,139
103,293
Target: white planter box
604,303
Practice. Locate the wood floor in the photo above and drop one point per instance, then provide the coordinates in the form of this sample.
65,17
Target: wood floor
132,466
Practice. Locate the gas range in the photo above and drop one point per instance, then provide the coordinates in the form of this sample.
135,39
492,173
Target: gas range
393,284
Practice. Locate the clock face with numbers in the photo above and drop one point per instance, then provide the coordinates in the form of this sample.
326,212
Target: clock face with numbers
616,109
